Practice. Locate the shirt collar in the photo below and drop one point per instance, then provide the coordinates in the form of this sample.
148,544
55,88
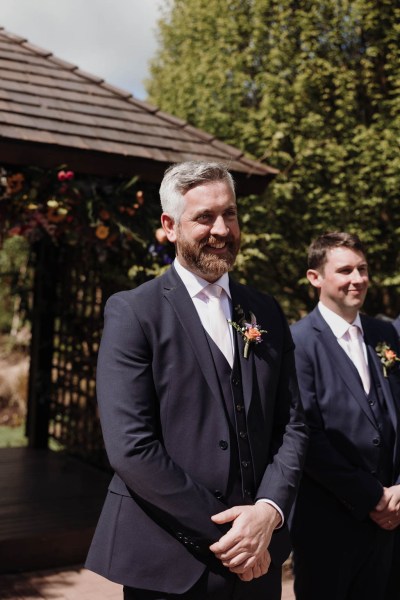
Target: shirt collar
195,284
338,325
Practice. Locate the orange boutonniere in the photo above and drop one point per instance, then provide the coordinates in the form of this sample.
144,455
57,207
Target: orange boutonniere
249,330
388,357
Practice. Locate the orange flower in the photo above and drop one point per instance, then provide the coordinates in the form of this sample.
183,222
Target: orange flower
15,183
161,236
56,216
102,232
252,333
249,330
390,355
387,356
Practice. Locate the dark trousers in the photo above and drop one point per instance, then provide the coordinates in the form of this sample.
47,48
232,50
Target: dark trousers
354,565
212,586
393,589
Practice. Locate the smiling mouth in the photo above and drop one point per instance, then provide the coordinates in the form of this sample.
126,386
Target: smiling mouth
217,245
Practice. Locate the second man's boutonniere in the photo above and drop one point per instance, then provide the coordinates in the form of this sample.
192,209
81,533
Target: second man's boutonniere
387,356
250,331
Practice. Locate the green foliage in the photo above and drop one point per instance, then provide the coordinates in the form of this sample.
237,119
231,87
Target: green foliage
312,88
14,256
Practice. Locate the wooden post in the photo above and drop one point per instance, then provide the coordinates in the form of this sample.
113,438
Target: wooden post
43,311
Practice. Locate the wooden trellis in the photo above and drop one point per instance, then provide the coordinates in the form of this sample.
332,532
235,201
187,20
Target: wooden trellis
73,421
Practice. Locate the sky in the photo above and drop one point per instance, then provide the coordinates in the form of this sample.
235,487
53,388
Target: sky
113,39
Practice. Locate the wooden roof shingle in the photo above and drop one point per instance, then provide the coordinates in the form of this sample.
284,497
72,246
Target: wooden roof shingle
51,112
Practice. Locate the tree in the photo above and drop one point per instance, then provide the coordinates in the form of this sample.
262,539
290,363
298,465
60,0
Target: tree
313,89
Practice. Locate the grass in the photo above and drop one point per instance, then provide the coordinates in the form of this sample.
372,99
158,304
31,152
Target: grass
12,437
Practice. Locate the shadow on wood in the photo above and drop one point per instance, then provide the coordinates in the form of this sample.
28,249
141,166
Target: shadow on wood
49,506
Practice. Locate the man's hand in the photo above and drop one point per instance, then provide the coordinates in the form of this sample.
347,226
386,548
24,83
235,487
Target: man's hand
260,568
244,548
387,512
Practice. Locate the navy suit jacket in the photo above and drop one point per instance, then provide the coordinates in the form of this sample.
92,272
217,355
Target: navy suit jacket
345,440
165,429
396,325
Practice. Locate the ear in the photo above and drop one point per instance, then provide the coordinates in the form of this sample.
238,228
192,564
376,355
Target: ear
315,278
168,224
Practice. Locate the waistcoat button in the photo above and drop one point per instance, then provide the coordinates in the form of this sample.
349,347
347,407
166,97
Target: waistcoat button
223,444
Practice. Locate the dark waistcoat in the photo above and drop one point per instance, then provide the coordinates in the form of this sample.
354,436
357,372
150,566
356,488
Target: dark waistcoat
241,486
386,439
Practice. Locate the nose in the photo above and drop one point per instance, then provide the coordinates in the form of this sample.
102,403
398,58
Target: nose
358,277
219,227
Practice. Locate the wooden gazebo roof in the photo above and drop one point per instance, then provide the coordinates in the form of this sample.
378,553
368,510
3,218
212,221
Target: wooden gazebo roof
52,113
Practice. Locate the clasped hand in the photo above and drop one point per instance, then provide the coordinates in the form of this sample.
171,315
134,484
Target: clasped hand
244,548
386,513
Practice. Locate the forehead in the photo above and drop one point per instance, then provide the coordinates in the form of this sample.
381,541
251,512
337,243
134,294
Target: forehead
342,256
209,195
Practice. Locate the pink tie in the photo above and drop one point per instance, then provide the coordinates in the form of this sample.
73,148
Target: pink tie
358,357
219,327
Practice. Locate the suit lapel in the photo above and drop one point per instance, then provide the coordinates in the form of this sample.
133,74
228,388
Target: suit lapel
384,381
342,364
177,295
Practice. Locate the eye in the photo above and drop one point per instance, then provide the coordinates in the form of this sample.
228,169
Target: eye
231,213
204,217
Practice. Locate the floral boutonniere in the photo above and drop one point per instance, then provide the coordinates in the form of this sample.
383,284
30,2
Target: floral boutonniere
250,331
388,357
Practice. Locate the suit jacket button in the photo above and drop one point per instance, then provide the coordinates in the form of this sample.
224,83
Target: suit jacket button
376,441
223,444
218,494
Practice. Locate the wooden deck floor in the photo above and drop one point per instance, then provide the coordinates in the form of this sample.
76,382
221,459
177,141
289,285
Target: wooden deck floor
49,506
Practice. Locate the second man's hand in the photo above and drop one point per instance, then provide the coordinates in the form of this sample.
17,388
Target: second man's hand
244,548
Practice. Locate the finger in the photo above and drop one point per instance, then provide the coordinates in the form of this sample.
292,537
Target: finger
228,543
226,516
236,560
242,567
383,502
247,576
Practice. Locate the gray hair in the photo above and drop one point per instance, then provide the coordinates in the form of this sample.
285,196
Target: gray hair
180,178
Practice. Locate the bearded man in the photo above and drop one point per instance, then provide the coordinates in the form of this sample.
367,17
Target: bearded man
199,406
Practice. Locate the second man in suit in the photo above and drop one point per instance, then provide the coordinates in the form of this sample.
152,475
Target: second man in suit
347,513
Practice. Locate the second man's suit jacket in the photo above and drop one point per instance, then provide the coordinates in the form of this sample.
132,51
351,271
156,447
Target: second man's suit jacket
166,432
346,441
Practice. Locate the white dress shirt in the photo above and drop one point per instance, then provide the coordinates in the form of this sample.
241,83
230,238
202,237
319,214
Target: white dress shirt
195,286
340,329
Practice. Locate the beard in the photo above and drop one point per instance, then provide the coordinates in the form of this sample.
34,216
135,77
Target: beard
205,263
